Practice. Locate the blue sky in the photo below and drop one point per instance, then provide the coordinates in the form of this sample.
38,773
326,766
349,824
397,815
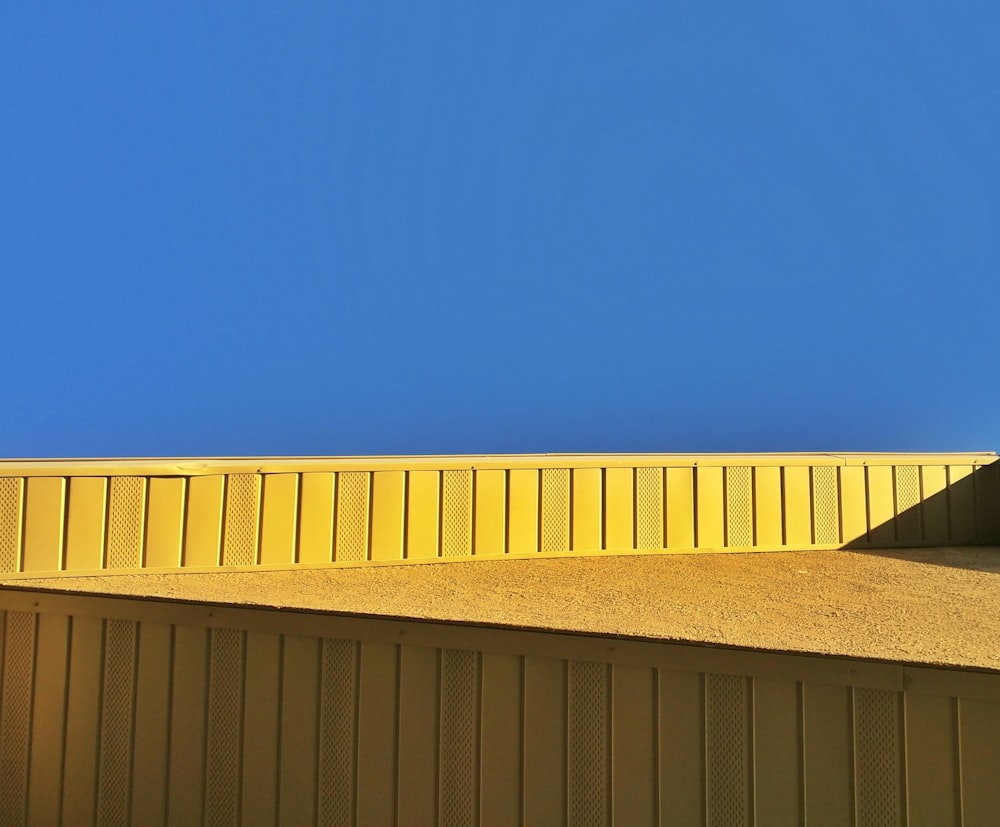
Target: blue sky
371,228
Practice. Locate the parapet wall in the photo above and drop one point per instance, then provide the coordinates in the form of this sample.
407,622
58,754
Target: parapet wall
80,516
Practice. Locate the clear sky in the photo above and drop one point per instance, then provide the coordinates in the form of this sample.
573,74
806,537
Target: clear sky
371,227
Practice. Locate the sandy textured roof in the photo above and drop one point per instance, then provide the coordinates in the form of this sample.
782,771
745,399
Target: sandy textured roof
930,606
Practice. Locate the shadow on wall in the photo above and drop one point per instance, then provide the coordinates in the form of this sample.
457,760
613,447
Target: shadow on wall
964,513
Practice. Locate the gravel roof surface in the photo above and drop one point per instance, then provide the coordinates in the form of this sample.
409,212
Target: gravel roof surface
936,606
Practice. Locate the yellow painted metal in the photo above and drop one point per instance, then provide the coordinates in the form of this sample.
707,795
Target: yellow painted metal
932,768
634,745
280,519
152,719
962,503
86,523
297,743
979,722
769,524
318,496
681,714
43,524
680,508
826,739
777,711
881,505
188,725
262,725
424,514
987,481
798,507
82,718
212,715
376,734
544,738
587,512
934,486
711,507
286,514
619,509
203,526
503,740
490,516
388,514
49,706
165,521
200,466
419,674
854,505
523,514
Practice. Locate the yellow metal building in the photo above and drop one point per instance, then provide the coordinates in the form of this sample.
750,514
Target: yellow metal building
139,685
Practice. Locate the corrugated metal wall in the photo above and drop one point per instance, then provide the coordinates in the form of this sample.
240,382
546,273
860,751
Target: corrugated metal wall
118,711
92,518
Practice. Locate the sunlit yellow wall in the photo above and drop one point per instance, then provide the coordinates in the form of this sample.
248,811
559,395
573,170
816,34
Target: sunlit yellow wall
87,516
118,711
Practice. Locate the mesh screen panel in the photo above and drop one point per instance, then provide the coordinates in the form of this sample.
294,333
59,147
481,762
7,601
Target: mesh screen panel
337,727
649,507
10,523
459,742
877,734
727,704
456,511
352,515
15,715
225,716
908,523
116,722
555,509
242,517
739,507
588,743
826,509
126,518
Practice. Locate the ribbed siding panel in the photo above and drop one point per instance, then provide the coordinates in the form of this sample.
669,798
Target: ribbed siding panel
255,725
85,523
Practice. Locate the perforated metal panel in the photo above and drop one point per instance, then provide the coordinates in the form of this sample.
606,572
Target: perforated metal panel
459,736
877,725
337,726
11,496
352,515
115,774
456,509
739,506
727,717
242,520
555,509
649,507
589,748
225,718
908,522
126,520
826,509
18,666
